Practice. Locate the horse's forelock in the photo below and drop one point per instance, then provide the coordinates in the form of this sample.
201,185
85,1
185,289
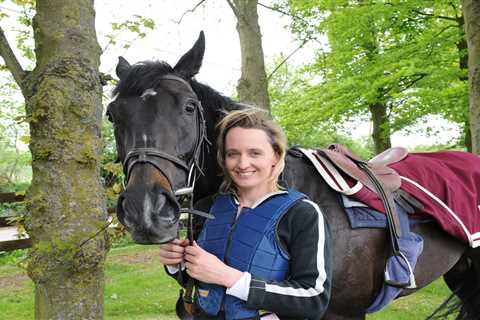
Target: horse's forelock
140,77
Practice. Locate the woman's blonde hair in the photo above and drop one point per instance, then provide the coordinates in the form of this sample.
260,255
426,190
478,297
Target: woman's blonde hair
251,118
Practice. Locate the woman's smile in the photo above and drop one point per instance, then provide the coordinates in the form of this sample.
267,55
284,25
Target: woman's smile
249,160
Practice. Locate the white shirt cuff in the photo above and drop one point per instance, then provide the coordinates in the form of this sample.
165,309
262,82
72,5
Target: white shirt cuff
241,288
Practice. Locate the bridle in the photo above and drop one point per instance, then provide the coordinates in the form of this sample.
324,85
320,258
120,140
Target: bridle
192,167
147,155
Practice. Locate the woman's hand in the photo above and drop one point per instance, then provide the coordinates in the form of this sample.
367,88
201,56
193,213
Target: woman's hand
207,268
172,253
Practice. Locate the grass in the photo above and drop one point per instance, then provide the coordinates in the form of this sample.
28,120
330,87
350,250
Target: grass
136,287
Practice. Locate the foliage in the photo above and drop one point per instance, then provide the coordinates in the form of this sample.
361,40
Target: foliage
23,28
401,55
15,160
301,129
137,25
15,171
12,257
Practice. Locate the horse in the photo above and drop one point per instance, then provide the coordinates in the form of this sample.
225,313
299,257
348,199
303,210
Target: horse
164,126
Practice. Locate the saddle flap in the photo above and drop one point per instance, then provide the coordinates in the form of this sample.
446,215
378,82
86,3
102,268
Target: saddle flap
389,177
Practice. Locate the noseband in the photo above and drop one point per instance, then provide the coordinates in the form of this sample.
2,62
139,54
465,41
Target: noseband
192,168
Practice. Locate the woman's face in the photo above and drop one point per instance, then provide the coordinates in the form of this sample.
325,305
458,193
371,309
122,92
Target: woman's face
250,160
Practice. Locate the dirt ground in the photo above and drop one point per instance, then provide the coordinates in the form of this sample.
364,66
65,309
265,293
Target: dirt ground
14,281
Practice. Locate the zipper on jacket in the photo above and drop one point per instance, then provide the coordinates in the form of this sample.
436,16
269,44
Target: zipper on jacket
227,248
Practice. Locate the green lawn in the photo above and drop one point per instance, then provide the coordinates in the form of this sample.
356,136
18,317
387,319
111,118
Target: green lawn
137,288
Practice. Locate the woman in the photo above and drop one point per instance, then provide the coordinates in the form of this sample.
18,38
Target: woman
267,248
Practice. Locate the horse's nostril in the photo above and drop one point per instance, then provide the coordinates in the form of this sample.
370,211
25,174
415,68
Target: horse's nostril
122,213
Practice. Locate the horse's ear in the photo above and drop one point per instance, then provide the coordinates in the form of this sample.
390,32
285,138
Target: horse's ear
122,67
190,63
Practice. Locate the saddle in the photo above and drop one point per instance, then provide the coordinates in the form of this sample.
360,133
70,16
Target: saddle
347,162
375,175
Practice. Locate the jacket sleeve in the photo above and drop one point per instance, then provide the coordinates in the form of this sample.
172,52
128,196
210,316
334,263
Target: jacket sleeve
305,235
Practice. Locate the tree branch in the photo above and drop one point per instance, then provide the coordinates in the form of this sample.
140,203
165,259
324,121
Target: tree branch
11,61
286,59
309,37
454,8
434,16
234,9
283,12
190,10
419,76
276,9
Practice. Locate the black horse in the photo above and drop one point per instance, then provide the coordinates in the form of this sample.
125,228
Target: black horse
164,122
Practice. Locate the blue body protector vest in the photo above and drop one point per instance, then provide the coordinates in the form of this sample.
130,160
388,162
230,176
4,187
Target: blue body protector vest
249,243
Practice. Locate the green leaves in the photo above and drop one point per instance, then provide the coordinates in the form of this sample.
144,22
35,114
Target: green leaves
402,55
138,25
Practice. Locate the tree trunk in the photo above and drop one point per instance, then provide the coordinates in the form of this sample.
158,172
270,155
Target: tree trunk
65,203
252,86
381,129
462,48
471,13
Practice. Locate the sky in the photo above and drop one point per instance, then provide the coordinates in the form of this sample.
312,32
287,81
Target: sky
170,39
221,65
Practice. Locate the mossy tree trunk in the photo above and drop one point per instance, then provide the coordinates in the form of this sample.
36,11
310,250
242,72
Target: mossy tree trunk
253,85
65,203
381,131
471,13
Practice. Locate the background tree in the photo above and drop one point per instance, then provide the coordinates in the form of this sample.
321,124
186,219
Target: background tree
394,64
65,202
471,12
253,85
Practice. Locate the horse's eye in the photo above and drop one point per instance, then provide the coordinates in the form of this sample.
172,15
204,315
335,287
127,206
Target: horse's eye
189,107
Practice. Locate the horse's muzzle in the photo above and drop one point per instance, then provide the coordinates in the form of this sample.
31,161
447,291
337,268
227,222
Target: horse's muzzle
150,219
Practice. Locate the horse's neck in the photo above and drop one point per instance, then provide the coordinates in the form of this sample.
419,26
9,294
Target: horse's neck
215,106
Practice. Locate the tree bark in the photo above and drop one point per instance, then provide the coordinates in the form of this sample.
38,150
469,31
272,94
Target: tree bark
253,85
381,130
462,48
471,13
65,202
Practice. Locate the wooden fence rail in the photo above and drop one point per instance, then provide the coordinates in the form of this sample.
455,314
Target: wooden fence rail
6,227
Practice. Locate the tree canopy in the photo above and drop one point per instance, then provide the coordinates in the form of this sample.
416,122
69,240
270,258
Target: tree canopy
402,58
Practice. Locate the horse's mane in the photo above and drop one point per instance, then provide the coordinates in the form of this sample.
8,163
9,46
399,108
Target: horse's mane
212,100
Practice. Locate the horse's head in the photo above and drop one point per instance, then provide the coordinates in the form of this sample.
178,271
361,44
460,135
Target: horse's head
159,130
